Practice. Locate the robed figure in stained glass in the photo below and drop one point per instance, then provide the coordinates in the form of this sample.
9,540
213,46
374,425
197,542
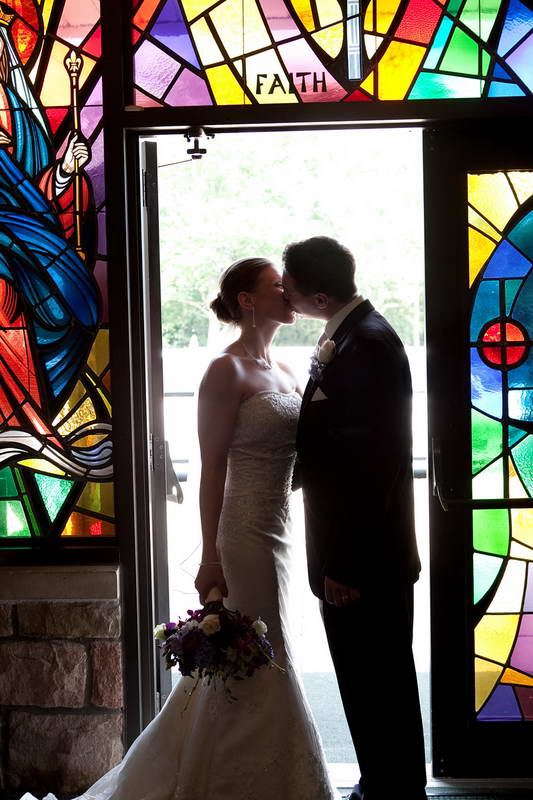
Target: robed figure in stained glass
49,301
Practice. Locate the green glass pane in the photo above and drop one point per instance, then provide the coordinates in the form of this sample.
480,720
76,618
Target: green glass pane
511,288
486,570
7,484
454,6
12,519
54,492
34,525
514,435
462,54
489,483
485,62
523,458
486,440
480,19
490,529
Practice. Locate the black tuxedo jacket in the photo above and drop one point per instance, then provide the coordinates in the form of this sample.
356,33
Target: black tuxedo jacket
355,460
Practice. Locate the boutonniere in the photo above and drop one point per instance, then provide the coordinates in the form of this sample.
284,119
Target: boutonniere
322,356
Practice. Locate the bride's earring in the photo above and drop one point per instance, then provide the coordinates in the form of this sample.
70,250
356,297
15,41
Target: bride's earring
253,316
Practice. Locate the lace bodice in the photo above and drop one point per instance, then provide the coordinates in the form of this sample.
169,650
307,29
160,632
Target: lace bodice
262,453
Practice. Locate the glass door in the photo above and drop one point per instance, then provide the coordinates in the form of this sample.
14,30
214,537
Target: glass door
479,284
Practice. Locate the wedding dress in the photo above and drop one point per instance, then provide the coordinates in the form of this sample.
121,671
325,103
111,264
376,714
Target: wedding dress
263,746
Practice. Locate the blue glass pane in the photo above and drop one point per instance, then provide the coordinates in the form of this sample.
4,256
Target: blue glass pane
521,404
523,458
430,84
499,72
522,376
514,435
522,234
507,262
438,43
511,288
170,29
500,89
486,569
518,22
522,63
486,386
486,306
523,307
501,706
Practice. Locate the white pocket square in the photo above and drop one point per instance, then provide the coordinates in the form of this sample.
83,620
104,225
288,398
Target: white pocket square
318,395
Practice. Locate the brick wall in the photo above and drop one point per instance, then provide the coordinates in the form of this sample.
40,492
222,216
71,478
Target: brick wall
61,704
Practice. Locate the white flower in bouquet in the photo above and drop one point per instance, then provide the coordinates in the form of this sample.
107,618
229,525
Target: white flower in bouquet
210,624
190,625
326,351
259,627
160,631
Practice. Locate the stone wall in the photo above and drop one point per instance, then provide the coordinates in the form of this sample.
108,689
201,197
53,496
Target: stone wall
61,703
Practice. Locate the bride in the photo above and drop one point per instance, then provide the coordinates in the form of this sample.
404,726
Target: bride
264,745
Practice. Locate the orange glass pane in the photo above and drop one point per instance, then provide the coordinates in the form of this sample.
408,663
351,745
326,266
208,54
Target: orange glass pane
84,525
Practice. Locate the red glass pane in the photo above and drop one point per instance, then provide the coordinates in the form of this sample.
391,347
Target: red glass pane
493,354
420,20
493,334
514,353
513,333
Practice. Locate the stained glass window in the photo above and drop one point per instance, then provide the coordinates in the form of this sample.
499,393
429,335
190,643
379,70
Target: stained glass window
501,278
245,52
55,411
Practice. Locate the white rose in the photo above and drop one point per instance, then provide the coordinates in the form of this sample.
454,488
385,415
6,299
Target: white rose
259,627
210,624
326,351
190,625
160,631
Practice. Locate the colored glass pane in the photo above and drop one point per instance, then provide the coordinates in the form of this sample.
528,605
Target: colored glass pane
523,458
480,248
13,520
508,595
489,482
486,569
329,12
507,262
492,196
486,386
521,551
491,531
522,657
522,235
516,678
439,43
487,674
330,39
80,524
501,706
54,492
462,54
494,636
486,305
518,23
522,520
7,483
397,69
520,404
486,440
522,183
511,288
97,497
419,21
477,221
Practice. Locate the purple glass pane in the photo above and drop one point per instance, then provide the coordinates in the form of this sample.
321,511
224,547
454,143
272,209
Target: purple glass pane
189,90
525,698
95,169
313,83
522,657
90,116
501,706
507,262
100,274
95,98
528,601
170,29
518,22
154,70
522,61
102,234
486,386
279,20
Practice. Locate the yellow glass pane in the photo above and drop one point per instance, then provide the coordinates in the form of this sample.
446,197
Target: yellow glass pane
40,465
522,522
368,24
303,9
84,414
193,8
56,86
46,10
509,593
237,38
521,551
386,9
99,356
494,636
368,83
397,69
104,399
330,39
77,393
207,47
516,677
480,247
91,440
516,487
329,11
523,184
491,194
225,87
481,224
486,676
371,45
98,497
275,87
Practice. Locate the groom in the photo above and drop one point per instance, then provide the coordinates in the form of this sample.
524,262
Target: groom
354,454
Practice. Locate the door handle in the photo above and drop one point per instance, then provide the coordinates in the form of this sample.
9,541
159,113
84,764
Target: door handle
446,501
173,489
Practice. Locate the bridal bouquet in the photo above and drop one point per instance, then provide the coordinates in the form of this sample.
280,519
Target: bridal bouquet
216,643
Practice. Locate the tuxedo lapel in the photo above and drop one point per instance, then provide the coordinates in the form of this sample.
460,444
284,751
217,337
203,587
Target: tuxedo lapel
349,322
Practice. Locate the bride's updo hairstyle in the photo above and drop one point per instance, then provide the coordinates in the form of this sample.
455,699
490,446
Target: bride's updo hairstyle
241,276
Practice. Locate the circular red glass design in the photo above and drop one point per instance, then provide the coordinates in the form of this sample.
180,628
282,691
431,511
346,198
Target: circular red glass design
506,350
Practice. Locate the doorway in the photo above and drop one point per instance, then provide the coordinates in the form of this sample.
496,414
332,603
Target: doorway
250,195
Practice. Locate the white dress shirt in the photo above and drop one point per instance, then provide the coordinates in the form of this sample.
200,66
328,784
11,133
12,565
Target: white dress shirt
331,326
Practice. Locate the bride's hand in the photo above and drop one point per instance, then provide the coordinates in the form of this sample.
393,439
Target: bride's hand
208,577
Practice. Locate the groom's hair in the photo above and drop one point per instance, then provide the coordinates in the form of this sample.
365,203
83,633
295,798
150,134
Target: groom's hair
321,264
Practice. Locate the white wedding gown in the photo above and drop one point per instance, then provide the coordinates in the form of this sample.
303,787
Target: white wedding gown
265,745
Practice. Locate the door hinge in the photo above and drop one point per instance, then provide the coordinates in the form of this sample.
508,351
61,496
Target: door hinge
151,451
144,189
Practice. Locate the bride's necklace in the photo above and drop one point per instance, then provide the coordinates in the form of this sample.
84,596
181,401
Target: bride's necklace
261,362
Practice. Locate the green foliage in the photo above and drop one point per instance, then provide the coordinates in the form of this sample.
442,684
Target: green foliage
253,193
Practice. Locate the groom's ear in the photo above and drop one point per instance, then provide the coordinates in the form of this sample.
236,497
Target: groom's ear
321,300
